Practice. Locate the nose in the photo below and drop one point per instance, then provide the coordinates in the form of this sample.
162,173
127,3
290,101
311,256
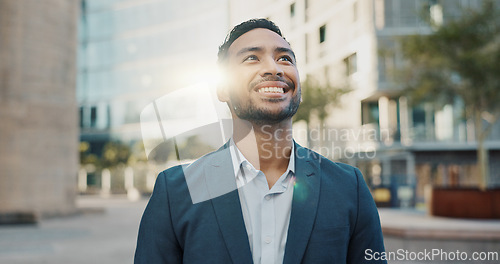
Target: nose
271,67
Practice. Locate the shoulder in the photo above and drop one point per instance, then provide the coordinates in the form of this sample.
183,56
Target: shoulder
193,174
303,152
331,169
196,165
341,172
207,177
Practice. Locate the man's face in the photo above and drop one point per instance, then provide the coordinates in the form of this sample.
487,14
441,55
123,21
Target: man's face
262,81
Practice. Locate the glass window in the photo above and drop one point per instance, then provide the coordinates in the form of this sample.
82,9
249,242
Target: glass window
370,112
322,34
81,112
418,115
93,116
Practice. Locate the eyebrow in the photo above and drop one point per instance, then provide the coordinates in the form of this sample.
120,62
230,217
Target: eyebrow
259,49
285,50
248,49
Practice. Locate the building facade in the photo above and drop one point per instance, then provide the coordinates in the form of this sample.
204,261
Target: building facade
402,149
134,51
38,109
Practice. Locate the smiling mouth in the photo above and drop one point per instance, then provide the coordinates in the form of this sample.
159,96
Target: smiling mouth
278,90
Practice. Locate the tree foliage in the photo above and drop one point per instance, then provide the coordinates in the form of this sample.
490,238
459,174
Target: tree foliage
115,153
112,154
460,58
316,98
86,157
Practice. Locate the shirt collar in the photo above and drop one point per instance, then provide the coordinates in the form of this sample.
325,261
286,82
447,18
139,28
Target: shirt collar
238,158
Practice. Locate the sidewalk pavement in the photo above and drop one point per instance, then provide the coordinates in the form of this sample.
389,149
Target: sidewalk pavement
416,237
419,225
106,232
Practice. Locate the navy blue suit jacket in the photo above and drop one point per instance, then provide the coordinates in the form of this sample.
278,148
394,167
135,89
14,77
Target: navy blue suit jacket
333,217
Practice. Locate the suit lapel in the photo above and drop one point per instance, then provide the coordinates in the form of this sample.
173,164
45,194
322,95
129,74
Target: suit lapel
304,204
221,185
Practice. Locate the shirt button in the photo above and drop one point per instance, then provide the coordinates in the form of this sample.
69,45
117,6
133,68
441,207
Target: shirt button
248,167
267,197
268,240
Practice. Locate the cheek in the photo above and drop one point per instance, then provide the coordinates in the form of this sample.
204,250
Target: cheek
293,75
240,80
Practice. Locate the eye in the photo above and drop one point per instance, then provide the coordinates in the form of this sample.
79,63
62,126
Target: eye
251,58
285,58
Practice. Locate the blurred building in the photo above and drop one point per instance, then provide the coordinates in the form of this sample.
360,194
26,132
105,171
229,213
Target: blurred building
38,109
399,147
415,146
133,52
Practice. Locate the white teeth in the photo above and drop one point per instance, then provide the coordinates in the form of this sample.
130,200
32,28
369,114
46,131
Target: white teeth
271,90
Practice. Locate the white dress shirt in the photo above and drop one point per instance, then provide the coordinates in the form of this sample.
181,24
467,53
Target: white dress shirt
266,212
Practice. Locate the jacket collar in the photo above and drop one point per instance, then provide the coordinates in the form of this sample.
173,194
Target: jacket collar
304,203
226,203
225,200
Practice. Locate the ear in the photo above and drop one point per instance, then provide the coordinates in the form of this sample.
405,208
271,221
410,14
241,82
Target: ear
222,86
222,93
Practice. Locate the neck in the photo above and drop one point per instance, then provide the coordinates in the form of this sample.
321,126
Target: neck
267,146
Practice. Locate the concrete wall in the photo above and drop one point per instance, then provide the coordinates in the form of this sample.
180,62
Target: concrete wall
38,112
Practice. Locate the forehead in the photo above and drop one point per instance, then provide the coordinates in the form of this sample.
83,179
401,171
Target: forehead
259,37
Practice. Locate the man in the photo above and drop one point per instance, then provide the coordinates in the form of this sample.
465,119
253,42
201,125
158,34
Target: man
261,198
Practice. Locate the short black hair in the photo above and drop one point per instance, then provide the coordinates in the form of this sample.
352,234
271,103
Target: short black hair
243,28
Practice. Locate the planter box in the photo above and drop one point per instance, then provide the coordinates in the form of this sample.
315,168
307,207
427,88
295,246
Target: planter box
465,203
